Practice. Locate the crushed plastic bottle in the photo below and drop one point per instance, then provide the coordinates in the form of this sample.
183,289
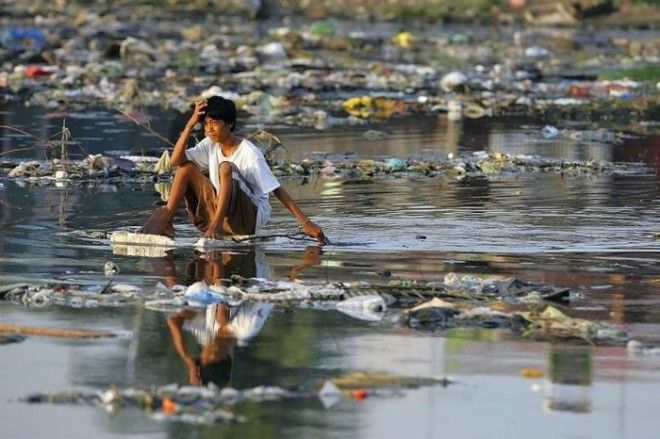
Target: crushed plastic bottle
369,308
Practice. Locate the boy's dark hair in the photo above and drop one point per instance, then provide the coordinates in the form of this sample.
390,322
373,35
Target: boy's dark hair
219,108
218,372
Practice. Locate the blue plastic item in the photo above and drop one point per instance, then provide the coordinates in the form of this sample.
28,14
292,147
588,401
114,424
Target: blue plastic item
23,39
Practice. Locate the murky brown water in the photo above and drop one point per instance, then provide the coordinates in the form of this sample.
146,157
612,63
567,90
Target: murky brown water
592,233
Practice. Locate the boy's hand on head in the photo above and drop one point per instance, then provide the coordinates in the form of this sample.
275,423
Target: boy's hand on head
198,112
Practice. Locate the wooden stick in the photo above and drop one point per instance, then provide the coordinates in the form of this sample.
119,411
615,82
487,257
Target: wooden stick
52,332
145,126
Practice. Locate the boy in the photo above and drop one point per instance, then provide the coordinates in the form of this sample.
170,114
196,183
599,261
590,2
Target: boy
234,199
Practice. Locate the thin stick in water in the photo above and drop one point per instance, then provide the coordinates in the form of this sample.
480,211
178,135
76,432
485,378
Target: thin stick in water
52,332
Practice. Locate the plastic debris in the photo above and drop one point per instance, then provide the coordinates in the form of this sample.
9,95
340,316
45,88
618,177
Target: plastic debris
124,237
636,347
103,71
553,324
208,405
330,394
23,39
549,132
537,52
454,82
199,294
403,39
163,166
369,308
482,165
110,268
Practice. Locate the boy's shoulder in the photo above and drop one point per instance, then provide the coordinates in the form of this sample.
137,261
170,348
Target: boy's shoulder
205,143
250,149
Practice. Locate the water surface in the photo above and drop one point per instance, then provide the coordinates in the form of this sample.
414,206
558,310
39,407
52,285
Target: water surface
592,233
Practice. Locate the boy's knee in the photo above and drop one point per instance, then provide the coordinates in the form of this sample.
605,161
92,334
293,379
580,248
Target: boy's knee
187,168
225,170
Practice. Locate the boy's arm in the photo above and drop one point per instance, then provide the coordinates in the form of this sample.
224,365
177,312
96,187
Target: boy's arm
310,228
175,323
179,151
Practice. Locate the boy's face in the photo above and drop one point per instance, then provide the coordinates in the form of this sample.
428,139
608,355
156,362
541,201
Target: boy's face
215,129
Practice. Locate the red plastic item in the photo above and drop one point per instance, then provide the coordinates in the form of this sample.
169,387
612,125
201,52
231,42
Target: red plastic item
38,71
169,406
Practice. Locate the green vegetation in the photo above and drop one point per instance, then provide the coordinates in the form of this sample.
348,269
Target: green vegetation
634,73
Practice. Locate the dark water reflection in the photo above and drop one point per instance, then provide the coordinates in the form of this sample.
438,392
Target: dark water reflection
594,234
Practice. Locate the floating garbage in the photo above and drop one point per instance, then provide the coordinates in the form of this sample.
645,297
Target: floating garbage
377,106
554,324
76,296
199,294
551,324
537,52
209,405
109,66
330,394
23,39
369,308
454,82
549,132
403,39
636,347
125,237
110,268
459,301
163,165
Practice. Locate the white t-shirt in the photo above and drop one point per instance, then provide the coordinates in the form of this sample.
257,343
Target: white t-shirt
254,176
245,322
247,319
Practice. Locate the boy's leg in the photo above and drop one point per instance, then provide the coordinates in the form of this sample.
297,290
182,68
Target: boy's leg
188,183
191,185
237,213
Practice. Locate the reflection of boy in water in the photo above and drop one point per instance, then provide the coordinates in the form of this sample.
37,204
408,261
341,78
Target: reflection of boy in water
219,326
216,329
212,267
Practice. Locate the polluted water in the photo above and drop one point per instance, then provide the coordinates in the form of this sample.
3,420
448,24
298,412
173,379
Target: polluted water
489,194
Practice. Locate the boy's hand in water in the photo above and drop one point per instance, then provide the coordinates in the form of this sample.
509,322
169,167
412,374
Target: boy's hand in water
313,230
198,113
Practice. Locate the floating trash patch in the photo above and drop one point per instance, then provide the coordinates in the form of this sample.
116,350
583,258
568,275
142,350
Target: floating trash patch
551,324
477,165
396,292
528,310
365,74
209,405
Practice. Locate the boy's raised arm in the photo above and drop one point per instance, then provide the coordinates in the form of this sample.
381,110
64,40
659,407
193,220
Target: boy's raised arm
179,151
